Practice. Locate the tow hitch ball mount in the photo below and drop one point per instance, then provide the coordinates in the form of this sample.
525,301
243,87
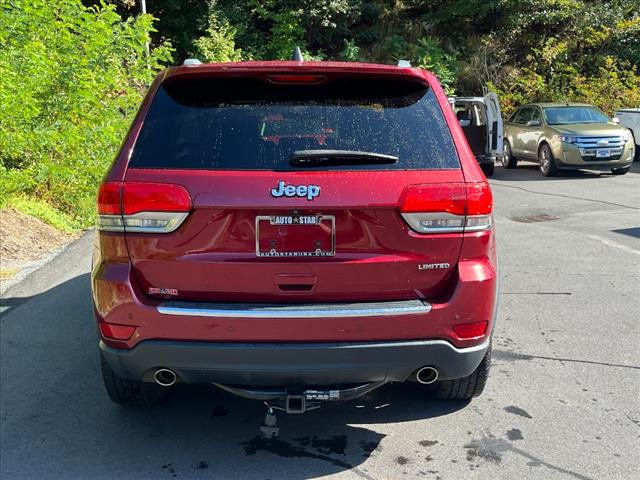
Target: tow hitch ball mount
293,404
295,400
269,427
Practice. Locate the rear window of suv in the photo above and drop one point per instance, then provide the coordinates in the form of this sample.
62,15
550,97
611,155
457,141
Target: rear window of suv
251,124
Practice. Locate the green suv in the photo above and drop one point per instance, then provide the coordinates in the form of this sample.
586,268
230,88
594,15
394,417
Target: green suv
566,136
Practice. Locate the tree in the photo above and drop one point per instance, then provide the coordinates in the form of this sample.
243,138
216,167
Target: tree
71,78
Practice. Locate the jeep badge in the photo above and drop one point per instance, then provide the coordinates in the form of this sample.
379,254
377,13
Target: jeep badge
309,191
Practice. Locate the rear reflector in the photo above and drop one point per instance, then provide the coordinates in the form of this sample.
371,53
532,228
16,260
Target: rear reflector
447,207
142,207
116,332
465,331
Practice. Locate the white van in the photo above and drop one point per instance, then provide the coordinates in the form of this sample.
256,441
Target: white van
481,121
630,118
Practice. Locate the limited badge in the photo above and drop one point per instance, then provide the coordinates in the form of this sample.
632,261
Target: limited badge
433,266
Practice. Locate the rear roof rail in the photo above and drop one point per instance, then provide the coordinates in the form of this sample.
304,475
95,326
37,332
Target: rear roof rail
192,61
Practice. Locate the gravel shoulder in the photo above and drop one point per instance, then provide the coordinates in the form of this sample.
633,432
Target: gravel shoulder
26,244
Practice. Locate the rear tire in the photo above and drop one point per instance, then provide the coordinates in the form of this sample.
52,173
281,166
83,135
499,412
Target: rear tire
508,160
130,392
547,163
487,169
465,388
620,171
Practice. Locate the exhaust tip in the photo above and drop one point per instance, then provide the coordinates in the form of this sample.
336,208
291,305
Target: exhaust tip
426,375
165,377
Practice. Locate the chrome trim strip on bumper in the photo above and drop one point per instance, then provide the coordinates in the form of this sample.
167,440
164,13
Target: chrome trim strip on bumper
316,310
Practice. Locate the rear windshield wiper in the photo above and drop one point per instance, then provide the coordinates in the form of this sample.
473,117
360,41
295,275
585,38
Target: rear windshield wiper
313,158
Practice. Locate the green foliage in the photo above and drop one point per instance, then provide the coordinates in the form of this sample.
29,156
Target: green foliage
430,55
610,88
266,29
218,45
73,72
177,22
71,78
591,57
270,29
351,52
625,38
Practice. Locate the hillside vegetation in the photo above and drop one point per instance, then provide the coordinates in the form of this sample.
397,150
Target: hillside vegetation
72,73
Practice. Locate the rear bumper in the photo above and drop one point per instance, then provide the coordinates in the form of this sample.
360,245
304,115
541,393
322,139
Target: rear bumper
471,296
277,364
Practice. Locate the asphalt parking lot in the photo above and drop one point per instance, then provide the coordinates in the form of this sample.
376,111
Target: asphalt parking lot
562,400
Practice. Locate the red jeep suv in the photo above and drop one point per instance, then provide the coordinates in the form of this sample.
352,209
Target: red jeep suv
295,232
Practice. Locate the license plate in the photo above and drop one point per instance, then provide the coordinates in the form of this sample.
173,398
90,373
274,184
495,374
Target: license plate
295,235
604,153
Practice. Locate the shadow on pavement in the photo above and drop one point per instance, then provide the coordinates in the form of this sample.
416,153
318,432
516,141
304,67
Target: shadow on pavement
631,232
57,420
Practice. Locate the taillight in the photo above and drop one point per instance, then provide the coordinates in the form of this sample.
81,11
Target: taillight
447,207
479,199
142,207
109,198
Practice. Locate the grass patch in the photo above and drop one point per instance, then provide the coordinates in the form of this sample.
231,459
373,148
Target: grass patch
42,211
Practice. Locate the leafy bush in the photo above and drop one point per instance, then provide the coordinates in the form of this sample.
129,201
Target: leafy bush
71,78
218,45
584,57
430,55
